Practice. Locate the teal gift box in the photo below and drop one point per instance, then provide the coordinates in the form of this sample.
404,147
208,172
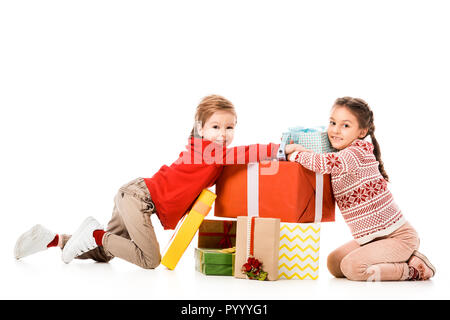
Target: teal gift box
314,138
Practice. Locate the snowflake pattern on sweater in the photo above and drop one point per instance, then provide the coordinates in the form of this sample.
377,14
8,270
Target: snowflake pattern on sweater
360,190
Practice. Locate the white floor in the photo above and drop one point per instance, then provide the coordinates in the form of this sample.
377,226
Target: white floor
45,276
97,93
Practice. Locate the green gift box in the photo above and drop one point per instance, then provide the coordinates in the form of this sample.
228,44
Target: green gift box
214,262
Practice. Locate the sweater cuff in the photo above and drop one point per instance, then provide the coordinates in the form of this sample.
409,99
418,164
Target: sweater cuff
293,156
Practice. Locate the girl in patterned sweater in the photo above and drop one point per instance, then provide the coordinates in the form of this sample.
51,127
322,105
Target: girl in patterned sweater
385,244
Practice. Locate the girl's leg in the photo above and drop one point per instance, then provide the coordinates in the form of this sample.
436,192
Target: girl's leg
334,258
384,259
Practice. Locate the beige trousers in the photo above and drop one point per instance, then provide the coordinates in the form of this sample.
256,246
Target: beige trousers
129,234
383,259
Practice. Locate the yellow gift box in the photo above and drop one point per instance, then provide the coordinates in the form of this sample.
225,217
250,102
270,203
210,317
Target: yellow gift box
299,251
187,228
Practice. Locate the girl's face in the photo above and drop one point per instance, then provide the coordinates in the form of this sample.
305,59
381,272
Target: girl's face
343,128
219,128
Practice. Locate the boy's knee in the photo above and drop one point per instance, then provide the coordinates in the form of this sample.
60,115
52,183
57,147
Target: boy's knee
152,261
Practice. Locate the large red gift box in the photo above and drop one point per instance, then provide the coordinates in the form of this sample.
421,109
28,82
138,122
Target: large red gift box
274,189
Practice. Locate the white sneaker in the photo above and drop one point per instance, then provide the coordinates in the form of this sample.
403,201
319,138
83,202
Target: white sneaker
34,240
82,240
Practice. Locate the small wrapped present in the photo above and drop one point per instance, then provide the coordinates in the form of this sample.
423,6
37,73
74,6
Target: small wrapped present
299,251
215,261
217,234
293,194
187,228
257,248
315,139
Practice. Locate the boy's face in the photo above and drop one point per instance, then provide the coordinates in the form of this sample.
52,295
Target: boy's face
219,128
343,128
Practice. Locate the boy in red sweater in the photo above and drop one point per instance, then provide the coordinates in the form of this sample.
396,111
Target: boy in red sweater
168,194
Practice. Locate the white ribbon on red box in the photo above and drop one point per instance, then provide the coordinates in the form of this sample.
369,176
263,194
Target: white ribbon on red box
253,192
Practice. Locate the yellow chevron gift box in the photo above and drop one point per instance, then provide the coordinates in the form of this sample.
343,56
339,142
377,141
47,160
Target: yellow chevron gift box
187,228
299,251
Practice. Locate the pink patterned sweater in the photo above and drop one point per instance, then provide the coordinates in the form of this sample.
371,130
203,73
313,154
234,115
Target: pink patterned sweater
359,188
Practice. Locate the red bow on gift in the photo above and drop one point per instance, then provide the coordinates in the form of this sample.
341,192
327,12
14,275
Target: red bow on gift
225,242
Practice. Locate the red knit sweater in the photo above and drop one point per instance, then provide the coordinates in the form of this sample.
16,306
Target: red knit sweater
174,189
359,188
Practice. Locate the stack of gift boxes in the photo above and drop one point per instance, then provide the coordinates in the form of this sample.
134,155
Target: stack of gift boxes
215,251
269,216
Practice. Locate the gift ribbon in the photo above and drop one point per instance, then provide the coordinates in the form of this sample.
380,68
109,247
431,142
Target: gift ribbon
253,189
250,237
319,198
253,192
228,250
225,242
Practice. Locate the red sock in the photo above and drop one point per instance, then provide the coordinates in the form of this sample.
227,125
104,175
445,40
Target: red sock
98,235
54,242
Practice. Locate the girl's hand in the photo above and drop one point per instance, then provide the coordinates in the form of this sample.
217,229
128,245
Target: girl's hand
290,148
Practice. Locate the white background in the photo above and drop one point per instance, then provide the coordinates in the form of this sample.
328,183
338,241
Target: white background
96,93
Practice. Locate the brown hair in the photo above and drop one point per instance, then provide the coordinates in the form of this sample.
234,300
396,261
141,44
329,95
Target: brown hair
361,110
207,107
